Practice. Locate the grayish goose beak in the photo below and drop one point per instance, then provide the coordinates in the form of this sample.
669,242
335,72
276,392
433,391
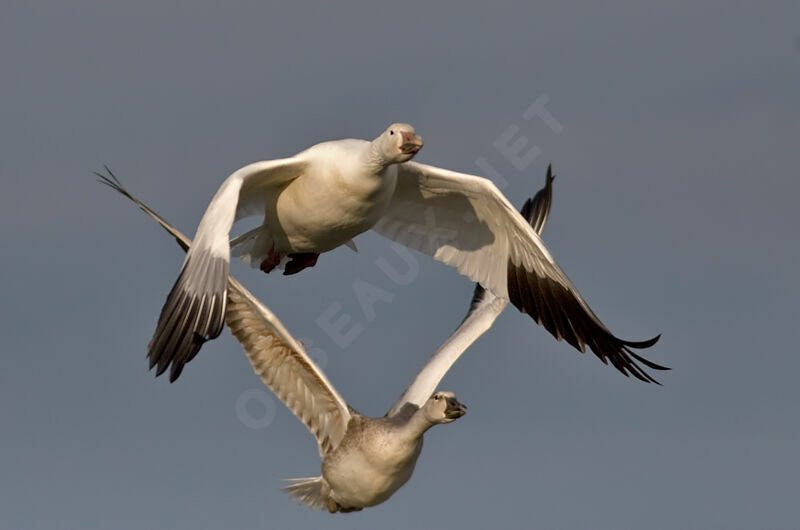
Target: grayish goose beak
454,409
411,143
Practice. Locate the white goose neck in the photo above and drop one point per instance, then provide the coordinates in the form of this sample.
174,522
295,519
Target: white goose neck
376,160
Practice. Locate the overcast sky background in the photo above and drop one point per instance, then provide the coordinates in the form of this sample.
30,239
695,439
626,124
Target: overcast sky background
675,212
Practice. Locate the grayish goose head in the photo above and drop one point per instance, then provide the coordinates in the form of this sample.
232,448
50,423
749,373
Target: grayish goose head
399,143
443,407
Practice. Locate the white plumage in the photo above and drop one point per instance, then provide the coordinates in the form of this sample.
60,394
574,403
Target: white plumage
324,196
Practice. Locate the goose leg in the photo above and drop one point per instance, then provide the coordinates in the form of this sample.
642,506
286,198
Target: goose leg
272,260
300,261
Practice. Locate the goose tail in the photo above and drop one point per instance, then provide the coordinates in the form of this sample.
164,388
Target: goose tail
308,491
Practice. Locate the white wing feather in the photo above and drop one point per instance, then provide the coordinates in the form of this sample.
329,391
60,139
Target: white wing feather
476,324
466,222
484,310
194,310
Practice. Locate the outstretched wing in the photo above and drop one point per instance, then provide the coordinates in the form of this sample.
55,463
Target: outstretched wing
285,367
194,309
483,311
277,357
466,222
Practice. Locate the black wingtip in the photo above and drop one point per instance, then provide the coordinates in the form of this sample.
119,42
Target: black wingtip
562,315
536,210
526,209
109,180
649,364
175,371
641,344
193,313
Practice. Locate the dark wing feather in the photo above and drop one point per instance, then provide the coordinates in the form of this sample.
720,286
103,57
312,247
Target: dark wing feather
192,314
195,307
561,313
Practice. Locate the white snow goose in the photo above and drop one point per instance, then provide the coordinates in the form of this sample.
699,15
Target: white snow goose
324,196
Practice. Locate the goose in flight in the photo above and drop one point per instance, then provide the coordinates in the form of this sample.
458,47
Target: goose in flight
364,460
324,196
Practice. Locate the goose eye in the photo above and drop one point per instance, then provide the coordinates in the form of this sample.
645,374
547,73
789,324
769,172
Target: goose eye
436,397
391,132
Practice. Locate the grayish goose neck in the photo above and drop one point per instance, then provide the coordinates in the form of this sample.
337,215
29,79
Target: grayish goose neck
417,424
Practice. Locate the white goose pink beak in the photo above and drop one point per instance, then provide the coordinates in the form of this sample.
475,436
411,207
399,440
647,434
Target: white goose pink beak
411,143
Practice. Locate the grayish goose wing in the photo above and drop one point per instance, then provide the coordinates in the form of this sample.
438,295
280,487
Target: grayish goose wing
284,366
483,311
194,309
277,357
466,222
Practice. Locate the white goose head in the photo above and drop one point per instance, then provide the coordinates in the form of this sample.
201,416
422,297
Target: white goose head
443,407
398,143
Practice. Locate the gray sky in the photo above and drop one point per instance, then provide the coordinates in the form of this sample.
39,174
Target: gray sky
675,212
